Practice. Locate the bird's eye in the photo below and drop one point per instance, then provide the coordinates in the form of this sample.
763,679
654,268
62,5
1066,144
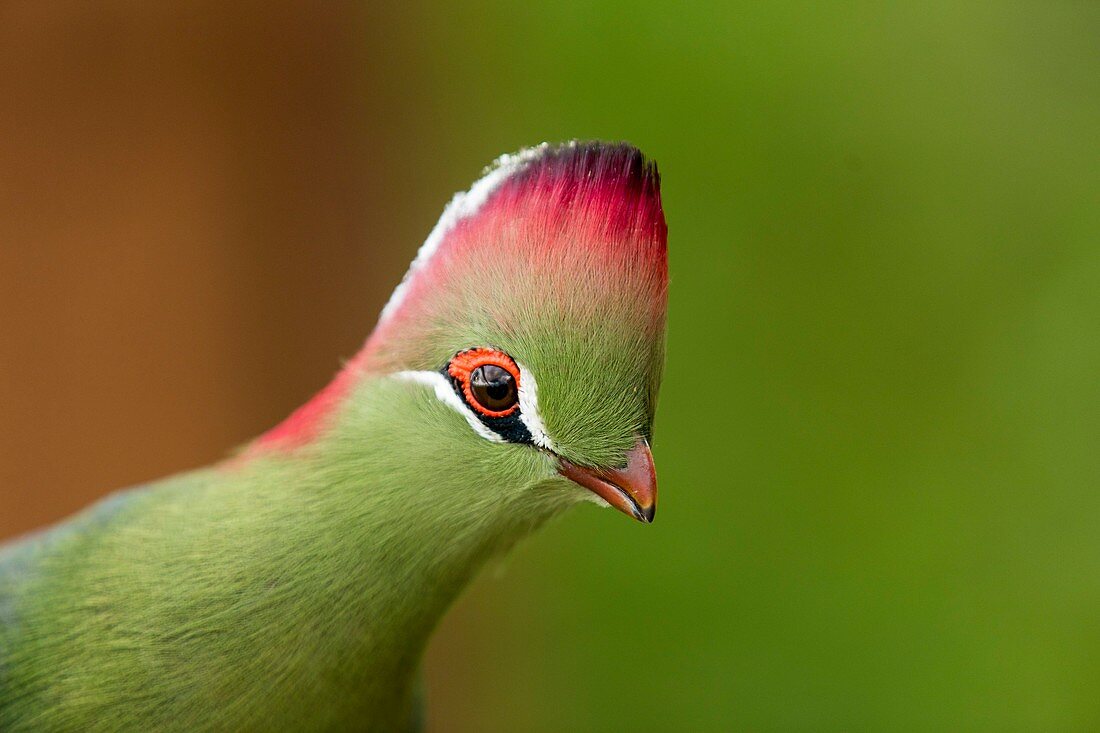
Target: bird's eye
488,380
493,387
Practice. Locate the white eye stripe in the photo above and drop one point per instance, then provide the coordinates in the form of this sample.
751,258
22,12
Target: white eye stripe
528,404
529,409
445,393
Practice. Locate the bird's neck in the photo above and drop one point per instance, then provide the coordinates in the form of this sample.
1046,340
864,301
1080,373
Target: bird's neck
379,524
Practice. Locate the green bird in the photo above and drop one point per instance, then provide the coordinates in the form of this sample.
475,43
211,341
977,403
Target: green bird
513,373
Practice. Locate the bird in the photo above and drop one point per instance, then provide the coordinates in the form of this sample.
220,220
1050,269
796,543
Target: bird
293,585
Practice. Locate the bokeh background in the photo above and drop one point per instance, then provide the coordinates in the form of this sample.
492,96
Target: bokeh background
878,438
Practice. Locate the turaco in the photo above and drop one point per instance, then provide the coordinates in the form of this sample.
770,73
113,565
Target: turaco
513,373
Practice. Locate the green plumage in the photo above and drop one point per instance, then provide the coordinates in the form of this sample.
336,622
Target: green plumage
295,589
291,593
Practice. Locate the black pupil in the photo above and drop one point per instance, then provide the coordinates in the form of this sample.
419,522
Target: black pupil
493,387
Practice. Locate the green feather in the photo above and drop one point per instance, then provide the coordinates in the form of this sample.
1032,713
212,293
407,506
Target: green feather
296,588
292,592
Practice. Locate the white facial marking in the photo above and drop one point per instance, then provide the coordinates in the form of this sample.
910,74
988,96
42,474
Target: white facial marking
528,404
445,393
529,409
463,205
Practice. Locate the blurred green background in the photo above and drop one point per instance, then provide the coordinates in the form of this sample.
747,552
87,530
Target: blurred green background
878,435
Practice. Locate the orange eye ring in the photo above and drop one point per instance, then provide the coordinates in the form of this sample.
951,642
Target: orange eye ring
466,363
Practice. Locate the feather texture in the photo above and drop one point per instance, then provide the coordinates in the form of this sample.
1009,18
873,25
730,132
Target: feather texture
294,587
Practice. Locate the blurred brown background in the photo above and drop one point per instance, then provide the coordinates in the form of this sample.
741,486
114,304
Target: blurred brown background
185,194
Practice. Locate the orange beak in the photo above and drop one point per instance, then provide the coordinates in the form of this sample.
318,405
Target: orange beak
631,489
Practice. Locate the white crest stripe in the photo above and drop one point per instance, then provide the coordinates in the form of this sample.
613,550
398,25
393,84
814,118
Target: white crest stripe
464,204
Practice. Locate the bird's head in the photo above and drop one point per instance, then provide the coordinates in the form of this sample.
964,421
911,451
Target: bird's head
535,310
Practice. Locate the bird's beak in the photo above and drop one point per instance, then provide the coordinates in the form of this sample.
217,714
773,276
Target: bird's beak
631,489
